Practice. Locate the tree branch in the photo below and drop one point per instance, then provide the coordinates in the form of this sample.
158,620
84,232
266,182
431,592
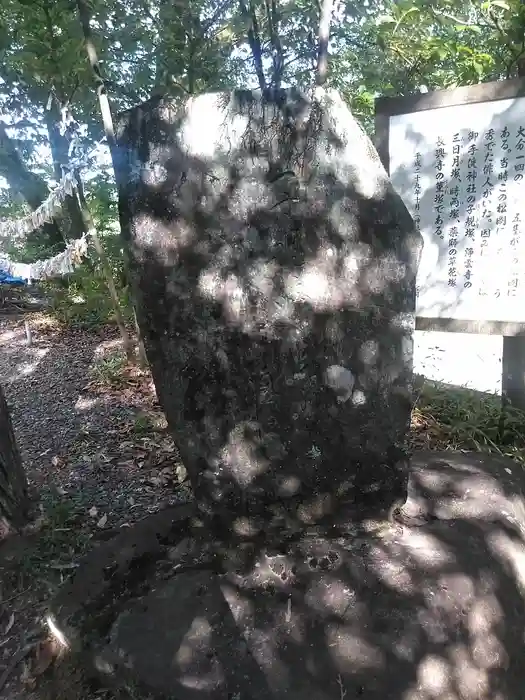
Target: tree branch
446,15
254,41
211,21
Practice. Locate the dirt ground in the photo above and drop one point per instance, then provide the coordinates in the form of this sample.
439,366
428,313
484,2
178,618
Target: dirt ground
98,459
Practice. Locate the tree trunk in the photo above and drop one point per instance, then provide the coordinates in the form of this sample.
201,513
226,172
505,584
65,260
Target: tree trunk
14,499
32,187
71,220
89,226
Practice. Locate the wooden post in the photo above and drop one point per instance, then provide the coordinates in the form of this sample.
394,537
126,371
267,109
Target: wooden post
513,372
29,336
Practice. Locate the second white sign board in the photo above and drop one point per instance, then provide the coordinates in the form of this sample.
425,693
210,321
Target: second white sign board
461,173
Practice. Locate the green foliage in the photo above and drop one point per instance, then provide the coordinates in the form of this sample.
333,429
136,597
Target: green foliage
108,370
83,300
457,418
144,424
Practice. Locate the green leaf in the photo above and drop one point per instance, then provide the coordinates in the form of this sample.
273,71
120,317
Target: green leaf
467,28
500,3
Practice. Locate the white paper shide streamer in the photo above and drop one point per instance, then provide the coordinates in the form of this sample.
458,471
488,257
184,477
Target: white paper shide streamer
64,263
59,265
16,228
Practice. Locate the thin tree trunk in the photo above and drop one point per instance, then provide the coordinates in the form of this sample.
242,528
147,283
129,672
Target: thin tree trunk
14,499
71,217
143,358
103,100
324,36
254,41
107,119
89,225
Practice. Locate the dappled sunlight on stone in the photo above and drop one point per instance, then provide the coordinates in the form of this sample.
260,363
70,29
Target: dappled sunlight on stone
429,612
191,658
330,596
315,508
242,609
370,180
427,550
239,456
289,485
511,552
315,287
434,677
281,344
289,259
471,680
264,648
393,573
469,494
485,613
350,652
488,652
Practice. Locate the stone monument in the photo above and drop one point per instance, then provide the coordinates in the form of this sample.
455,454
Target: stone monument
274,272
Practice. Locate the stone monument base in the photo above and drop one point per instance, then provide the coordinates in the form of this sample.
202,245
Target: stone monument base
433,609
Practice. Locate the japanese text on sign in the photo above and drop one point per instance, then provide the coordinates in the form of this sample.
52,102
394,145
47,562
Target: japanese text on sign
461,173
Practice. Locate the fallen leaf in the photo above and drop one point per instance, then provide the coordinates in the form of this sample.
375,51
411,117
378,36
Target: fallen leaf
10,624
93,512
181,472
26,678
103,520
56,461
45,654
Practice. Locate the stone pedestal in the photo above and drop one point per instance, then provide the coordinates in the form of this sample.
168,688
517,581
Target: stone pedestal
433,611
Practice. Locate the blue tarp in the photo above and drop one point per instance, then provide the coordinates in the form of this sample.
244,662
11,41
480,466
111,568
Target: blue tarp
6,278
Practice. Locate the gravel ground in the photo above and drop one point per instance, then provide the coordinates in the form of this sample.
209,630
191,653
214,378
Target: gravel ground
79,434
97,457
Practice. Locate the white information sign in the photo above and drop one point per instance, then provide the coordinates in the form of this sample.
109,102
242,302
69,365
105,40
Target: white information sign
461,173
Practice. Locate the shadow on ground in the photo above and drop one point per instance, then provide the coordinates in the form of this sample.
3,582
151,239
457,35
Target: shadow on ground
433,610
